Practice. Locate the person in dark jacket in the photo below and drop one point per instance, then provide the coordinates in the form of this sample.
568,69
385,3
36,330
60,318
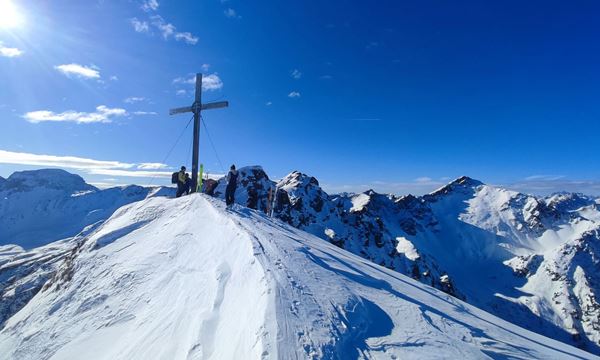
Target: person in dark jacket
188,184
180,182
231,185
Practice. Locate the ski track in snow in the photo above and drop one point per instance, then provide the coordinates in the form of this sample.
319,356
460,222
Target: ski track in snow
189,279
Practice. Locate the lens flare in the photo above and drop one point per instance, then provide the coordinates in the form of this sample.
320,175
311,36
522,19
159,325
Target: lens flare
10,16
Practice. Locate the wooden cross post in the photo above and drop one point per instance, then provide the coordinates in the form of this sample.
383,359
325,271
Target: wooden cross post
196,107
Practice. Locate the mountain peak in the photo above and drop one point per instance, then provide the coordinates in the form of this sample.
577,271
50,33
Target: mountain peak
467,181
56,179
298,179
463,184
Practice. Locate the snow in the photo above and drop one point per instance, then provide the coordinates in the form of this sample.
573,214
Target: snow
42,206
359,202
187,279
407,248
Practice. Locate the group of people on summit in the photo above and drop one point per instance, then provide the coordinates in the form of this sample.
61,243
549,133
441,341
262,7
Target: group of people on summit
185,185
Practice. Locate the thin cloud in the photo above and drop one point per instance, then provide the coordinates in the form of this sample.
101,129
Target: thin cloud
103,114
152,166
209,82
150,5
71,162
549,184
168,30
423,179
141,113
187,37
140,26
134,99
90,166
294,94
79,71
130,173
296,74
205,67
544,177
9,51
231,13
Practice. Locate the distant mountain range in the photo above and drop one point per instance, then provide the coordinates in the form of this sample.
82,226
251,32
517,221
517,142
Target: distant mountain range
533,261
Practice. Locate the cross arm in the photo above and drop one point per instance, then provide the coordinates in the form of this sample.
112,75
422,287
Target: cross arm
215,105
181,110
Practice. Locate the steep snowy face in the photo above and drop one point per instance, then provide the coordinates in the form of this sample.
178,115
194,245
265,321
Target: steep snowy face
2,182
38,207
187,279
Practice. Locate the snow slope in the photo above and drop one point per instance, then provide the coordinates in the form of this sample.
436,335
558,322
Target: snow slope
187,279
41,206
532,261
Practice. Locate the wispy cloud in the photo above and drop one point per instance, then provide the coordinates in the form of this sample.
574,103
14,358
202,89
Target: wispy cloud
103,114
269,103
325,77
423,179
164,28
544,177
134,99
71,162
130,173
294,94
168,30
152,166
187,37
296,74
9,51
140,26
141,113
205,67
90,166
80,71
150,5
231,13
548,184
209,82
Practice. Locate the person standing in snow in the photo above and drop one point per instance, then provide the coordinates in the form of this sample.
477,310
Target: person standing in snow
180,182
188,184
231,185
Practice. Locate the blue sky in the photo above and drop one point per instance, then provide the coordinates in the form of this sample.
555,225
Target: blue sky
393,95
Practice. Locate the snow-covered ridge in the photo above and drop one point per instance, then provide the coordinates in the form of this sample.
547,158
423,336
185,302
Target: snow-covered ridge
532,261
468,237
186,279
41,206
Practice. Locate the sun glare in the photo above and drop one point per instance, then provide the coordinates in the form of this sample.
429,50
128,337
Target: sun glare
10,16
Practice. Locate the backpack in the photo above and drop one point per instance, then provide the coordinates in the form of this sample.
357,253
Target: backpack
174,178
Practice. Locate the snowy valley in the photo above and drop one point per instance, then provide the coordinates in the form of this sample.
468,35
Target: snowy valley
180,278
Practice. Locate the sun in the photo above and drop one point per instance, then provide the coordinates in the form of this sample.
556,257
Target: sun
10,16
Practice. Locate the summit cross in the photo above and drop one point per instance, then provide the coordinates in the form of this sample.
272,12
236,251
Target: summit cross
195,108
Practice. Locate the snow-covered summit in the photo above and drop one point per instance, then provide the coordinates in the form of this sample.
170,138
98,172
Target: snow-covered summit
186,279
55,179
